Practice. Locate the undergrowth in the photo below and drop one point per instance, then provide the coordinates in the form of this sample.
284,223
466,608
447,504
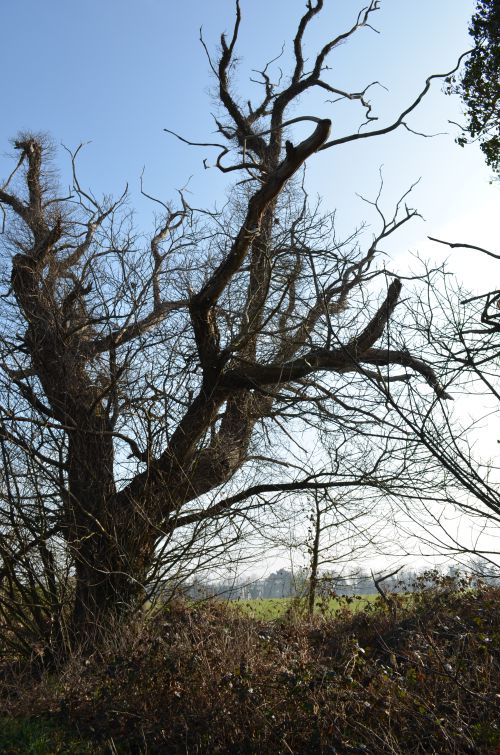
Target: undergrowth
419,676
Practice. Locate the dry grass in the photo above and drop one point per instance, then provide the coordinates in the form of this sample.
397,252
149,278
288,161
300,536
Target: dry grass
410,677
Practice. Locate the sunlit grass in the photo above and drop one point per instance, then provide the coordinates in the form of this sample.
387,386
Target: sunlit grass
270,609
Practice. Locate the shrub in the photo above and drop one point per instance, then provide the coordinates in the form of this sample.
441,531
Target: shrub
408,676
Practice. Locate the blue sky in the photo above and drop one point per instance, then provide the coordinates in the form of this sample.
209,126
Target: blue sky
116,72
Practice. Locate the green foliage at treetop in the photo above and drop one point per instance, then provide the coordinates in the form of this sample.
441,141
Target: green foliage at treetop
479,86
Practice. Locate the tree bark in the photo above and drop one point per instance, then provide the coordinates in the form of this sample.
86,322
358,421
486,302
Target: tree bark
313,576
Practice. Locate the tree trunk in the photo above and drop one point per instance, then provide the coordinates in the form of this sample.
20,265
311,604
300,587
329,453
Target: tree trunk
313,576
108,546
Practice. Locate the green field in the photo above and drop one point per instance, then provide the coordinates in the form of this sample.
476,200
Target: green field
269,609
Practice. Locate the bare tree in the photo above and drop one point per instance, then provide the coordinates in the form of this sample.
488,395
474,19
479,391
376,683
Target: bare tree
139,384
333,530
457,331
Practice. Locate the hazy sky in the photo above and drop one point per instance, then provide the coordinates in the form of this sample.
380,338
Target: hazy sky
116,72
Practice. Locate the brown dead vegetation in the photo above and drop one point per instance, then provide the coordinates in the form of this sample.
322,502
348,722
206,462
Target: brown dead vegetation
418,676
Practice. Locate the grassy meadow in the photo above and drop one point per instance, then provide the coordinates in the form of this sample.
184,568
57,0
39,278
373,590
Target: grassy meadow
271,609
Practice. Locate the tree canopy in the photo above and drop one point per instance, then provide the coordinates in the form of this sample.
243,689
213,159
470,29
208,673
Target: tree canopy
479,86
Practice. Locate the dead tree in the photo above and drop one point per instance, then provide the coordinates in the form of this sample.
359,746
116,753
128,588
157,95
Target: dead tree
138,382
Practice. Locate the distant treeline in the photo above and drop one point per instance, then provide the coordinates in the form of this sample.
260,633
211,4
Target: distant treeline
287,584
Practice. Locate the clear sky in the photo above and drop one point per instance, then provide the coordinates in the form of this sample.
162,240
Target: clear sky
117,72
